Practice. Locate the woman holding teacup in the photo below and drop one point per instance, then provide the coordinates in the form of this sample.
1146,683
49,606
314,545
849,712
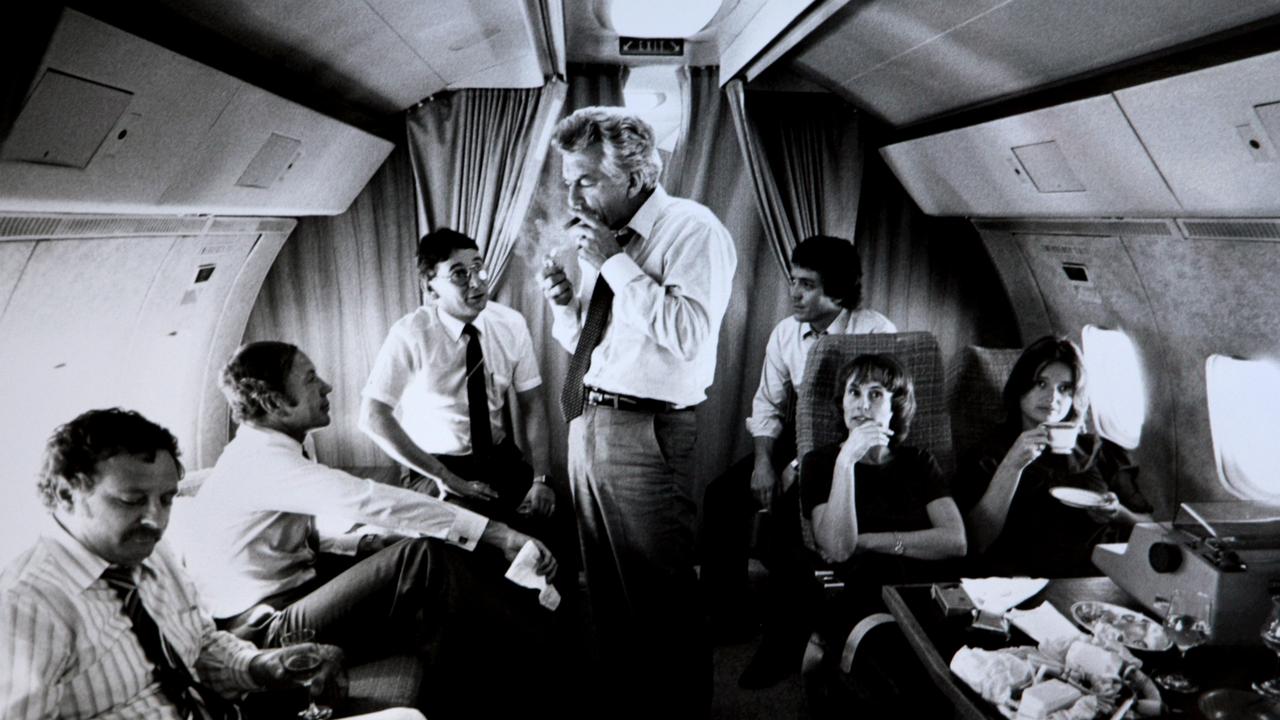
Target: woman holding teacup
1016,525
881,512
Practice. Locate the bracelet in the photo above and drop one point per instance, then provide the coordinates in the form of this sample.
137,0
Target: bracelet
898,547
540,479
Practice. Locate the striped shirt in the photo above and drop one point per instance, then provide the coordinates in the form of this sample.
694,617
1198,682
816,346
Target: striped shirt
67,650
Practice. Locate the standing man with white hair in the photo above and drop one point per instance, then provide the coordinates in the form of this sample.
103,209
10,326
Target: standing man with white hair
656,276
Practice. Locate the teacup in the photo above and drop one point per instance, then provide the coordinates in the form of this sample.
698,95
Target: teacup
1062,436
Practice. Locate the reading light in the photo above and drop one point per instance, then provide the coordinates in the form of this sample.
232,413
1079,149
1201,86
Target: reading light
661,18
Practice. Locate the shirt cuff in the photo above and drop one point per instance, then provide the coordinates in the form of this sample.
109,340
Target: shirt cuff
467,528
237,666
620,270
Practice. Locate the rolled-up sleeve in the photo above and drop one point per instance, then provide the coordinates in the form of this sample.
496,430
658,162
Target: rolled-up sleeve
769,406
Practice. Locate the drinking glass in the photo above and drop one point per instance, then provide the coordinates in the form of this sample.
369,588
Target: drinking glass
1188,622
1271,638
303,663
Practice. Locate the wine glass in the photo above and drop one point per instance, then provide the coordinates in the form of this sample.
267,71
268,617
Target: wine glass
1271,638
1188,622
303,663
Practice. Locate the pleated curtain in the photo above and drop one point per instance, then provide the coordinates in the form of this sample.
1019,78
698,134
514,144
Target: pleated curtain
804,156
477,158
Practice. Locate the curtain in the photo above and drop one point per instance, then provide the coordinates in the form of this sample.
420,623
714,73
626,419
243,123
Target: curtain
542,234
805,162
707,167
477,155
335,289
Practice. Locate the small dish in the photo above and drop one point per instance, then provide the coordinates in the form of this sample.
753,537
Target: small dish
1080,498
1128,627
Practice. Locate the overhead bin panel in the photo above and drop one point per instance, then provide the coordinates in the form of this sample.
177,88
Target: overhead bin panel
115,124
1215,134
169,104
268,155
1078,159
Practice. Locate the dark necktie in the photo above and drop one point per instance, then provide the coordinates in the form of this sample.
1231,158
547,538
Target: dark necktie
477,394
191,700
571,396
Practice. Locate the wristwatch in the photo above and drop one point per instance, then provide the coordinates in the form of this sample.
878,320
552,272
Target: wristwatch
540,479
898,547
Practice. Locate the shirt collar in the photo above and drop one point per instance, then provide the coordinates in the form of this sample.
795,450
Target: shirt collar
837,326
265,436
647,216
84,566
453,326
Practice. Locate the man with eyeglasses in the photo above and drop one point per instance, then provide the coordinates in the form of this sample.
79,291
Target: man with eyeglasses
435,398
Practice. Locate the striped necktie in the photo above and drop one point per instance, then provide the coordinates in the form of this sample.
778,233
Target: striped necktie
192,701
571,396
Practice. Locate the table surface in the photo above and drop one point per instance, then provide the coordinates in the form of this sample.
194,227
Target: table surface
936,638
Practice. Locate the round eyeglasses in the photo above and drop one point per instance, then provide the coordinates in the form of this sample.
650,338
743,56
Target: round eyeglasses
462,276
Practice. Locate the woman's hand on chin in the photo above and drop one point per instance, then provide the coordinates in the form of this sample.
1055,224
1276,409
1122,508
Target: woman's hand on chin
865,435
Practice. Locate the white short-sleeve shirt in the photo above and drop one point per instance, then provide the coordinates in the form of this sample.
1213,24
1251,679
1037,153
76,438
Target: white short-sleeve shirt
421,371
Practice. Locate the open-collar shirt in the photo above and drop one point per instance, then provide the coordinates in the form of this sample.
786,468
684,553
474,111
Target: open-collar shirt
255,517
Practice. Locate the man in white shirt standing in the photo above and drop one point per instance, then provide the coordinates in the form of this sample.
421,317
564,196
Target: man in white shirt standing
436,395
656,276
257,562
826,294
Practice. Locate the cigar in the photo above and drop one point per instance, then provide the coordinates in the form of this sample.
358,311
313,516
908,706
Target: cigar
571,222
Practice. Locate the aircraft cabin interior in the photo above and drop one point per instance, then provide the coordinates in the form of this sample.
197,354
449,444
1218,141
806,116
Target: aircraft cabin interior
181,177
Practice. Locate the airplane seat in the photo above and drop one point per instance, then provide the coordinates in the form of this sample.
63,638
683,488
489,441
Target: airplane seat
819,420
976,380
393,681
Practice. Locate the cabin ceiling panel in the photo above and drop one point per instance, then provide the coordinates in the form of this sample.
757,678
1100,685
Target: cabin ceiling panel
1215,134
344,46
903,63
1078,159
462,39
146,150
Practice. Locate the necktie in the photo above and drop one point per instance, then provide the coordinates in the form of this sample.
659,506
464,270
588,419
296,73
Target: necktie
175,679
571,396
477,394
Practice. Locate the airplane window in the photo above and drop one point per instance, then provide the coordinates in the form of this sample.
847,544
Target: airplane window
1243,417
1117,388
653,91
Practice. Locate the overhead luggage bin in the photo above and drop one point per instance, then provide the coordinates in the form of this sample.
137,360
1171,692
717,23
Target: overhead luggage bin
1074,160
1215,135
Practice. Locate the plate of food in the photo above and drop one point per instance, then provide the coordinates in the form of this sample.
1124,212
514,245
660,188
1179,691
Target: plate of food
1081,498
1128,627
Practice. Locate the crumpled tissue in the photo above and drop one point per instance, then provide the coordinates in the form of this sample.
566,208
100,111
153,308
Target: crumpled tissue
523,572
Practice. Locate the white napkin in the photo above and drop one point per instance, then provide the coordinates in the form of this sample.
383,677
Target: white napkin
523,572
1044,623
996,595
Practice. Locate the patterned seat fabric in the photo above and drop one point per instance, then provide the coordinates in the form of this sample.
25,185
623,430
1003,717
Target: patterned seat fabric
818,417
977,380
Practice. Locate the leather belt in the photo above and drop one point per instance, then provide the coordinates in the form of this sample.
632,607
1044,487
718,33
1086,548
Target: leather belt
595,396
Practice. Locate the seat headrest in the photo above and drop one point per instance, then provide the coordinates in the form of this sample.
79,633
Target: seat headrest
818,418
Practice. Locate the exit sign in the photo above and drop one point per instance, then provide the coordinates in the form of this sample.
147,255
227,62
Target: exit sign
651,46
